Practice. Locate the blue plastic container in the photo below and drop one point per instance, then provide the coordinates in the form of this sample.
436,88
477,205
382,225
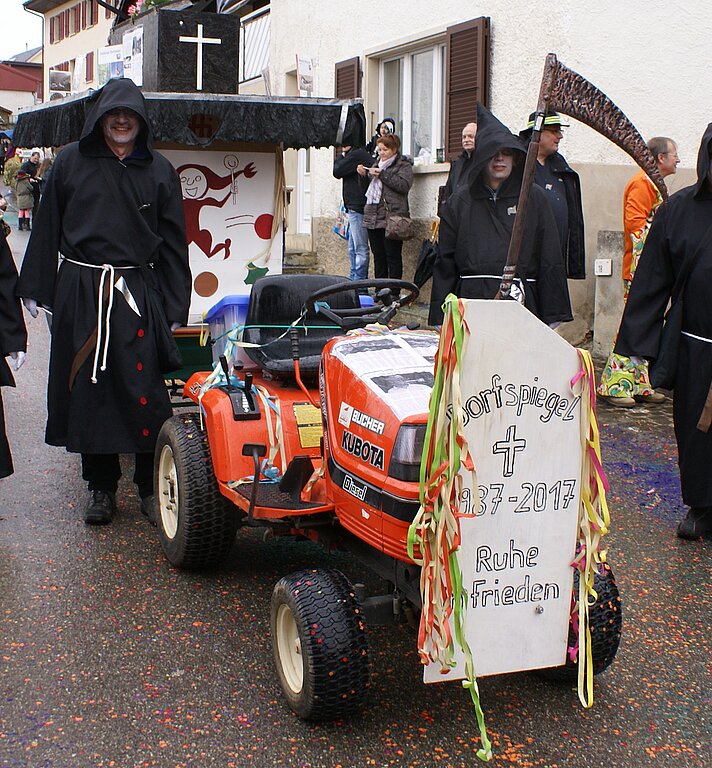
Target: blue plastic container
230,312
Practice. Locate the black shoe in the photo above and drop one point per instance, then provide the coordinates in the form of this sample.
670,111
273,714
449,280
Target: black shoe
148,508
100,509
697,524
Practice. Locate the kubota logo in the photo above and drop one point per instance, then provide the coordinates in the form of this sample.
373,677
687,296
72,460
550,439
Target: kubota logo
362,449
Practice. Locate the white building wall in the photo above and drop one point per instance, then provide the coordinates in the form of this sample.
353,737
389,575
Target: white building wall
649,57
75,46
14,100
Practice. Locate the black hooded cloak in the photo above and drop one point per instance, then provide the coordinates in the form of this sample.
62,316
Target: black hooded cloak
476,228
13,338
81,219
680,226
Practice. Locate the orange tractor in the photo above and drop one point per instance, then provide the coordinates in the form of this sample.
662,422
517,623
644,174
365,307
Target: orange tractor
320,438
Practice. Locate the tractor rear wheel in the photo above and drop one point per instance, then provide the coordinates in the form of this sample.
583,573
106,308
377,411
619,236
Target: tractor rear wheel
605,622
319,644
196,524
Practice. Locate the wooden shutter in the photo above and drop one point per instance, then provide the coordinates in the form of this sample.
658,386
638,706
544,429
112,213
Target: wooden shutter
84,15
89,67
51,30
466,78
347,80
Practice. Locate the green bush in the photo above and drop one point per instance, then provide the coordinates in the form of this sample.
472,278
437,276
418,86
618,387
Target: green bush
11,168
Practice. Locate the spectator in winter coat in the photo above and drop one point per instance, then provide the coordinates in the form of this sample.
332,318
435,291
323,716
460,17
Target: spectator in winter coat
387,193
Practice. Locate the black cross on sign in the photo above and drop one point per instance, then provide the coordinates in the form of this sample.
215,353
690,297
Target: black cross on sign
509,448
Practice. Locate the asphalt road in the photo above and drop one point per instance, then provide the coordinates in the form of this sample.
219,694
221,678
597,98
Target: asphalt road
111,658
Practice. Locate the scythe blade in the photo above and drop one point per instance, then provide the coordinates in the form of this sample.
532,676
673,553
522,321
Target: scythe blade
566,91
576,97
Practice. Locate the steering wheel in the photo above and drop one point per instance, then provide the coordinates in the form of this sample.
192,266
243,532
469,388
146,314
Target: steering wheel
385,306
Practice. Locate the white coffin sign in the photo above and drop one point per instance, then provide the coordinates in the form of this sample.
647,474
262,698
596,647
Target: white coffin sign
523,427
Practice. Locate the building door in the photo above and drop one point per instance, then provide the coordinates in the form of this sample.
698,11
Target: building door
303,192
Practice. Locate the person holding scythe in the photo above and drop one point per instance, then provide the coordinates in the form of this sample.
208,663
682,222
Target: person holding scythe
476,228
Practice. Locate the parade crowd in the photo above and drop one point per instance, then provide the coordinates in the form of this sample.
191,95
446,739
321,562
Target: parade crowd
116,285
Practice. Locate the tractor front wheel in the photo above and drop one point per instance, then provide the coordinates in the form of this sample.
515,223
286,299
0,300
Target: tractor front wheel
319,644
196,524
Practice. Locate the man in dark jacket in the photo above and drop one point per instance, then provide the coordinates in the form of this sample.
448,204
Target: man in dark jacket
460,166
476,229
563,191
113,210
354,201
681,230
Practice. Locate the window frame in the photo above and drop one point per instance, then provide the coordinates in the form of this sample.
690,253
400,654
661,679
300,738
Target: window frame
437,49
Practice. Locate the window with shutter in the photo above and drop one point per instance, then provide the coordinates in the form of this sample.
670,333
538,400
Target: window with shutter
51,31
84,14
347,80
466,78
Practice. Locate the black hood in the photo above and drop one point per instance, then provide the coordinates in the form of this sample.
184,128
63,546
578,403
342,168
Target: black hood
703,161
492,135
119,92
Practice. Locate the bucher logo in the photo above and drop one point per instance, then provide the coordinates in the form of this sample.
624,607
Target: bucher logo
354,488
362,449
348,415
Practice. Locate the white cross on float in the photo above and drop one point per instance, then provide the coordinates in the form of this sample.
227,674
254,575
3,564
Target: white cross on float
199,40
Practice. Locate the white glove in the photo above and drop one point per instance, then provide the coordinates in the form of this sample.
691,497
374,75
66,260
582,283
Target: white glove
31,306
175,326
18,360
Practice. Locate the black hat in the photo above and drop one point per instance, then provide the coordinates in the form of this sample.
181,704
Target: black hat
550,118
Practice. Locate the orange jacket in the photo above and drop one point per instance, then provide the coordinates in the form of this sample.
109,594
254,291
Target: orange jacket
640,198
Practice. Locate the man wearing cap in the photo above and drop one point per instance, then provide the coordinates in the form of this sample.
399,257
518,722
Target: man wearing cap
562,187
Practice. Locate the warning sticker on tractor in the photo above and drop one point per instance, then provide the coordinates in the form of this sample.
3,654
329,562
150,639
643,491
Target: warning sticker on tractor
308,420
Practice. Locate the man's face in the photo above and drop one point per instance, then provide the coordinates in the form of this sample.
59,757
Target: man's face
121,127
668,161
499,168
469,132
549,140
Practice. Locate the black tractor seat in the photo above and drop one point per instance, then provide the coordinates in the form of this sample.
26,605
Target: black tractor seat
276,301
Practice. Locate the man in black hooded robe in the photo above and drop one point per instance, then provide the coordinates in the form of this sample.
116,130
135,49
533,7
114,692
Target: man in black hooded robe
476,228
106,393
681,230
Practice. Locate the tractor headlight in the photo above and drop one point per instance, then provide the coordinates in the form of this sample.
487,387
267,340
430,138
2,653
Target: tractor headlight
407,452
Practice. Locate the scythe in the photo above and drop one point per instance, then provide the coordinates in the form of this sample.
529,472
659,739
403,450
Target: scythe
566,91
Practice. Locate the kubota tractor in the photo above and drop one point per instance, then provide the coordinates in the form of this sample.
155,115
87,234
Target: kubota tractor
320,438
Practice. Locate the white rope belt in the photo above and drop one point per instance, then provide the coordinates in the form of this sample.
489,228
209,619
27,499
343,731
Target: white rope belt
104,330
495,277
699,338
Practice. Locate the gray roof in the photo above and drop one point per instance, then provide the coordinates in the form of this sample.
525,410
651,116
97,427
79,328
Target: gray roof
25,56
